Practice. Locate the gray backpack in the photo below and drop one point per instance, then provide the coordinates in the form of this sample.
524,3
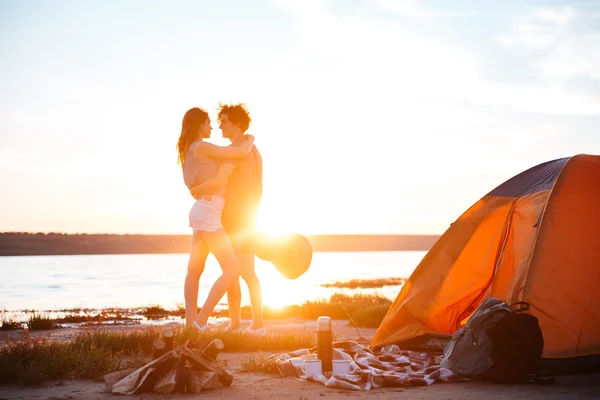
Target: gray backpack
469,353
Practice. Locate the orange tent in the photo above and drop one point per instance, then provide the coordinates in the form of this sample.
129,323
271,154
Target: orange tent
535,238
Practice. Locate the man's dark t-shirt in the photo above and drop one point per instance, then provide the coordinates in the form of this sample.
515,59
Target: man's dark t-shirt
244,190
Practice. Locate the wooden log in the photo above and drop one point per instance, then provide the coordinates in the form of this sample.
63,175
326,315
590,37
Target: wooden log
167,336
208,379
160,370
211,351
225,376
189,382
182,374
114,377
132,382
213,348
193,385
167,382
158,348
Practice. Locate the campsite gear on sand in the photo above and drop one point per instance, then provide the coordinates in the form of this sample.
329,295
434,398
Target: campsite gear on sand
325,343
341,367
372,369
297,362
290,254
498,343
312,367
534,238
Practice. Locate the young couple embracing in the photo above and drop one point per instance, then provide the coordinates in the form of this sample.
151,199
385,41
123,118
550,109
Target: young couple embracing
226,182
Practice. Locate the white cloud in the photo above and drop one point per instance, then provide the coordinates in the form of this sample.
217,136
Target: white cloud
578,55
548,99
540,29
413,9
382,60
566,42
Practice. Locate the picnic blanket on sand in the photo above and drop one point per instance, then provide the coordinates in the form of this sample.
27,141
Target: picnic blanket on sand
389,367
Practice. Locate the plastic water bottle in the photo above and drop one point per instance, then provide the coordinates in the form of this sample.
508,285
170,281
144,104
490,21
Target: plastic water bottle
325,343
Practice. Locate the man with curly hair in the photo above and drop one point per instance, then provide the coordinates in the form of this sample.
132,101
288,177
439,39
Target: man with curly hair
242,200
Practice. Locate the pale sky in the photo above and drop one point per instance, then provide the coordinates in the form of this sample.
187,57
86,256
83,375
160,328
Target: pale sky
376,116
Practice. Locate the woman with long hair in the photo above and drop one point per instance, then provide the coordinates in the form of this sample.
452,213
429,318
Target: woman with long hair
207,166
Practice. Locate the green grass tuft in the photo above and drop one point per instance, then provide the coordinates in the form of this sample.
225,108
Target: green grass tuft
94,353
371,316
10,325
133,342
342,306
366,283
338,306
32,361
155,312
39,322
259,363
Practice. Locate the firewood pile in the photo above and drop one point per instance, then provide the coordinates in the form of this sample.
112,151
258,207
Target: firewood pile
179,369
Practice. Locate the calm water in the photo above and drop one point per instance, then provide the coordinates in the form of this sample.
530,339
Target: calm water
99,281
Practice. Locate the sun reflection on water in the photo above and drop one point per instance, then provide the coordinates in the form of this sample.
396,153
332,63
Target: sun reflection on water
58,283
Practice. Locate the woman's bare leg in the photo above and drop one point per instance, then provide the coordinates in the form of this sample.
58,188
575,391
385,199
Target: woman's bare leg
234,301
219,244
196,265
254,289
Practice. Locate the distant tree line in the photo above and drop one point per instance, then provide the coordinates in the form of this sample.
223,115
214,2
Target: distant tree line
56,243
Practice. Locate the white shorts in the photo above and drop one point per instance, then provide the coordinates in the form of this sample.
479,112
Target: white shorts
205,214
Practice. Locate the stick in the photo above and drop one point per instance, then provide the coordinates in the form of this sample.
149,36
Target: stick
167,336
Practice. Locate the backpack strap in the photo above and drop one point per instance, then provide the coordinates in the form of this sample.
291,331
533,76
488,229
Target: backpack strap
520,306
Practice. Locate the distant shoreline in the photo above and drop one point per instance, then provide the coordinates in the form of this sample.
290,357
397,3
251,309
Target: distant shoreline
30,244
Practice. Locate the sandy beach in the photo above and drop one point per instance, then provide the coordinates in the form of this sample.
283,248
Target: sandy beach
269,386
